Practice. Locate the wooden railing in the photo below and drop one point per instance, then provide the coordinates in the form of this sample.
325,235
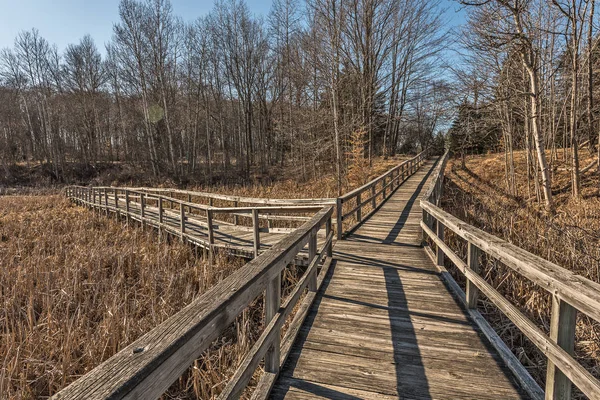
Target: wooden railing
368,195
570,293
147,367
371,195
136,205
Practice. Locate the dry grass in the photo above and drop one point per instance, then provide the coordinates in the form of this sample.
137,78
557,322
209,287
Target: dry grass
287,187
77,287
571,238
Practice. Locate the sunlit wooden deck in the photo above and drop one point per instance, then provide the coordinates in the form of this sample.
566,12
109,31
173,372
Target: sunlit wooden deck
385,326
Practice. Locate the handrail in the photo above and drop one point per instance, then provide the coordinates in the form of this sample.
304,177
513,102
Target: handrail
148,366
184,215
397,175
434,191
239,199
570,293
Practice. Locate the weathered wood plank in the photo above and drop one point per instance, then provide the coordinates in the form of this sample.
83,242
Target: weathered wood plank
385,325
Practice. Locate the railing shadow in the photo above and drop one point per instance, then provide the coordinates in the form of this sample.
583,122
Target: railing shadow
415,382
405,213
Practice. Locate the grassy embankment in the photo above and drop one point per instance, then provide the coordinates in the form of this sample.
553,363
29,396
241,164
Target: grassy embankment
570,238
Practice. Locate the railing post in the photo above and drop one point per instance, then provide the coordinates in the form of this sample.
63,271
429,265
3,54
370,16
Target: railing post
160,210
211,233
127,206
384,188
373,197
182,222
116,204
312,252
358,208
440,234
94,196
472,293
160,217
189,199
272,304
256,229
562,331
106,200
142,211
235,217
327,232
338,210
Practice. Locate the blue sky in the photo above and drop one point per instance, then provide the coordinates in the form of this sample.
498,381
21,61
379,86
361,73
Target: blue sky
65,21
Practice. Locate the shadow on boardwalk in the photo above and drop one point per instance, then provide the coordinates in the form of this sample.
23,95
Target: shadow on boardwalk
384,325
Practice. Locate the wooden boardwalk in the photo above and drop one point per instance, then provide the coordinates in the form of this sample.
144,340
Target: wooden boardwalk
385,326
238,240
373,317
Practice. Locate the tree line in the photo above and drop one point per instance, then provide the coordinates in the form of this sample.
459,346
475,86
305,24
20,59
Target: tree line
531,84
230,92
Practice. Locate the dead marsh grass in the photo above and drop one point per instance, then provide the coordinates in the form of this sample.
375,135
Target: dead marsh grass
77,287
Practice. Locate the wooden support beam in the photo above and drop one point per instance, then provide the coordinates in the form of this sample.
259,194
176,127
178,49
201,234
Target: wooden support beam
327,232
106,201
211,232
142,209
472,292
272,304
127,208
182,220
116,193
373,197
159,200
358,208
338,212
312,252
256,229
439,252
562,331
235,217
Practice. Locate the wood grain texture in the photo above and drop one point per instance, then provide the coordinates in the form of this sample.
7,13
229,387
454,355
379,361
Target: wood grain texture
384,325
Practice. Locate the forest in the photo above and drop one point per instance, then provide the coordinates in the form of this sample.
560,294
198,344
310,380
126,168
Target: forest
531,84
230,92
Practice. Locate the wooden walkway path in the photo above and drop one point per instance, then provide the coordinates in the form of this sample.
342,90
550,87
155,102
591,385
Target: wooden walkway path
384,325
373,317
